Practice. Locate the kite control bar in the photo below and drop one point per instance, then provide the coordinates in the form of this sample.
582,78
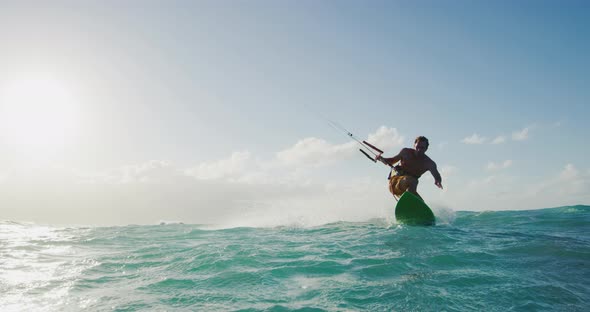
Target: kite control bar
368,156
366,146
373,147
376,155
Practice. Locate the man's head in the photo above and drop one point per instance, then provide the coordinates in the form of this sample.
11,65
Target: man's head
421,145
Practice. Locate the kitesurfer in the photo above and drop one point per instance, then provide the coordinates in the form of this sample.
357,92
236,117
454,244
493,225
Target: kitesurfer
413,162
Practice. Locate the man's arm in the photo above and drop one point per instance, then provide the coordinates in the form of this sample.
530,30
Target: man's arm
436,175
391,161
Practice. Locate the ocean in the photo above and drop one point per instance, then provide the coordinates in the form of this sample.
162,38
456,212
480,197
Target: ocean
534,260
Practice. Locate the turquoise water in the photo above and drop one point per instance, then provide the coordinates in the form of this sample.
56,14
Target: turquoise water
537,260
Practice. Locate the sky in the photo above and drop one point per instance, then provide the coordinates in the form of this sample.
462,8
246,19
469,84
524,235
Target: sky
216,112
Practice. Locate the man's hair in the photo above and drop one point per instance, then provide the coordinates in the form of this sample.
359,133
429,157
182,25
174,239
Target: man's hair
421,139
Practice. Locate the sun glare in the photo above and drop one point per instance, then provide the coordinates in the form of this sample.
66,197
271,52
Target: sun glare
37,114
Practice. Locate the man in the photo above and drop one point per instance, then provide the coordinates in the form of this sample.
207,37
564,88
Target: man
413,163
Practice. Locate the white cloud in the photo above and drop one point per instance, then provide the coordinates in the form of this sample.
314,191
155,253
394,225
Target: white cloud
153,171
499,140
569,186
232,167
314,152
478,182
279,190
521,135
386,138
241,189
572,182
511,190
498,166
474,139
569,172
156,190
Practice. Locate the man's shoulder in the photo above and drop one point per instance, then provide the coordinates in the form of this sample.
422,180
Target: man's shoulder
430,161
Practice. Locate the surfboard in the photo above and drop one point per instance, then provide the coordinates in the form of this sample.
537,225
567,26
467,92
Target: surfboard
412,210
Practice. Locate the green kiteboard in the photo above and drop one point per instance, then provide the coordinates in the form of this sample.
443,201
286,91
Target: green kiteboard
412,210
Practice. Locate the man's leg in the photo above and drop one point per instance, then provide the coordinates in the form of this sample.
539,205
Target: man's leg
410,184
395,185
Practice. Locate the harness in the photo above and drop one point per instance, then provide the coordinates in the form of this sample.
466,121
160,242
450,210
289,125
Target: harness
397,171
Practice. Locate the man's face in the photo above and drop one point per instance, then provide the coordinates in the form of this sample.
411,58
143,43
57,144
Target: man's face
421,147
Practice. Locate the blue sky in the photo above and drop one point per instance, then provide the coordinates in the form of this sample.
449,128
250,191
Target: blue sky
169,97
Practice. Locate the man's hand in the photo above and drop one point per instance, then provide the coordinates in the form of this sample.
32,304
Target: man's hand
385,161
439,184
